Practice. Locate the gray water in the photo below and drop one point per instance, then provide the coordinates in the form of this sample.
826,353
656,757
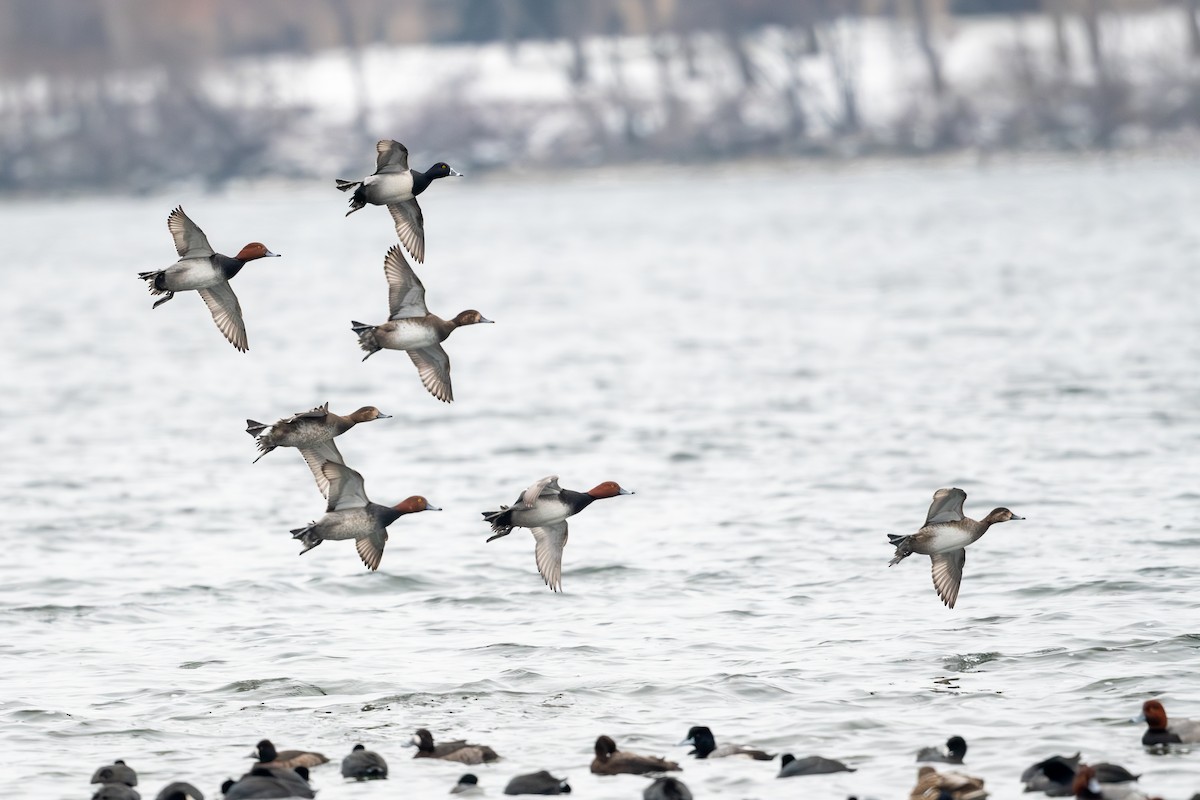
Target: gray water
784,363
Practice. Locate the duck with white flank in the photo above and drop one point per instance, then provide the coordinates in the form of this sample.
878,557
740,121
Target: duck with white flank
312,432
705,746
544,508
207,273
944,538
410,327
350,515
396,186
459,750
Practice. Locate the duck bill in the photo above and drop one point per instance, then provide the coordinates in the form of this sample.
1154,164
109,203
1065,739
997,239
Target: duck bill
1138,718
1016,517
687,743
432,508
272,255
489,321
625,491
454,173
384,416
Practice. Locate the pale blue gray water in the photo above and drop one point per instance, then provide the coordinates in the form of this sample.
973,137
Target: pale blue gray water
784,363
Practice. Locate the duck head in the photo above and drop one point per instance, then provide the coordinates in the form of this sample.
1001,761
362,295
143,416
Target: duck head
422,739
264,752
605,747
1000,515
254,251
442,170
415,505
607,489
469,317
700,738
368,414
1154,715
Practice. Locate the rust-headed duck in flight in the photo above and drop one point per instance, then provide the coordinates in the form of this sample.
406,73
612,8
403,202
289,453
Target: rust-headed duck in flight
350,515
544,508
207,273
410,327
312,433
1158,732
396,186
944,538
611,761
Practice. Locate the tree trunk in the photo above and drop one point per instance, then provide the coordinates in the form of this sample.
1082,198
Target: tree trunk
933,60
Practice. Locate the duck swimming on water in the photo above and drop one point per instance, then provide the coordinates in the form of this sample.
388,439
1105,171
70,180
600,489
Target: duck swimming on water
944,538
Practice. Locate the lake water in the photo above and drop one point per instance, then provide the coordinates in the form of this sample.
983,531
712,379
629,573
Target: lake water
783,362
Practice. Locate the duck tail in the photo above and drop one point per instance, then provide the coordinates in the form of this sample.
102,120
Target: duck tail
308,536
501,522
358,199
903,548
366,338
255,428
152,279
344,185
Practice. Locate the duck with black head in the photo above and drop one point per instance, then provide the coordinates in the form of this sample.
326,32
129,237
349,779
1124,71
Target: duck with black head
116,772
611,761
266,755
458,750
349,514
539,783
364,765
704,745
395,185
543,508
955,752
202,270
944,538
1159,732
312,432
411,328
263,782
179,790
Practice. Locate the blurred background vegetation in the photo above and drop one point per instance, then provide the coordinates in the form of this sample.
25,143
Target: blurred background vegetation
131,94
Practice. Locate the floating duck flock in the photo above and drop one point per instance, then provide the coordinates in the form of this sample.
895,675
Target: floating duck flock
543,508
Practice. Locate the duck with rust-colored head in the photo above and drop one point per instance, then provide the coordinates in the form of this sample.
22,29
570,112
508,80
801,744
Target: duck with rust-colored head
611,761
1089,784
411,328
544,508
1159,732
459,750
944,538
202,270
312,433
349,514
396,186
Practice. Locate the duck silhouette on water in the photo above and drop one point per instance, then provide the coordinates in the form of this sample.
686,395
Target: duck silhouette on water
944,538
396,186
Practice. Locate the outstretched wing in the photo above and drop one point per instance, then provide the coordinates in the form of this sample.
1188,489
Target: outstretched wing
190,241
227,313
433,365
390,156
316,456
947,506
548,549
546,487
410,227
370,549
346,488
317,413
947,574
406,293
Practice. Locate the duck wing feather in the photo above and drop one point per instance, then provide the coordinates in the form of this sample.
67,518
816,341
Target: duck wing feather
410,227
947,506
406,293
316,456
226,312
549,542
947,574
390,156
190,241
370,549
546,487
433,365
346,489
316,413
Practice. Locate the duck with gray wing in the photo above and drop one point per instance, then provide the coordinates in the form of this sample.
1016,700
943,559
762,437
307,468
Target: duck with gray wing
349,514
206,272
705,746
611,761
179,790
542,783
955,752
364,765
544,508
116,791
116,772
1159,732
311,432
666,788
469,785
459,750
791,767
263,782
944,538
395,185
411,328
